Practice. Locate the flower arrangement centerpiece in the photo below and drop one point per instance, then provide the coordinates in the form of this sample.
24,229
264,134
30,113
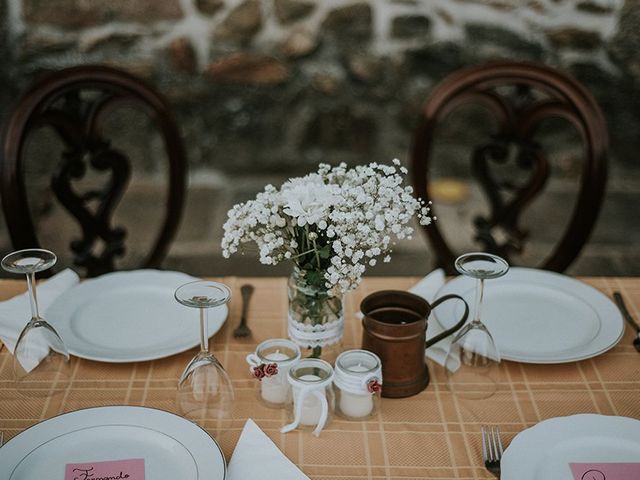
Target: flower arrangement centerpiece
331,225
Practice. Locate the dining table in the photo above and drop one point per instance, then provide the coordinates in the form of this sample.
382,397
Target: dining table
433,434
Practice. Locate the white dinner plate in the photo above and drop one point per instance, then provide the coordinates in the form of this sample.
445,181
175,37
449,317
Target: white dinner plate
544,451
129,317
171,447
537,316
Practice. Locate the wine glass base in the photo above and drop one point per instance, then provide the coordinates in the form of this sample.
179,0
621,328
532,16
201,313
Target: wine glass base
205,394
472,385
29,261
42,385
207,415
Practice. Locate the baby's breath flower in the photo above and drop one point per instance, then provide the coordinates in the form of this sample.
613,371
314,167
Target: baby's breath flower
344,218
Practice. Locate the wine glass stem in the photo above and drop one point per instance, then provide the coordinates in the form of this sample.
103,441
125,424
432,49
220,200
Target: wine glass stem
33,299
204,328
479,297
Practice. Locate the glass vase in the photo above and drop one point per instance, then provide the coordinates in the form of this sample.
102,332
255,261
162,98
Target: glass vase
316,320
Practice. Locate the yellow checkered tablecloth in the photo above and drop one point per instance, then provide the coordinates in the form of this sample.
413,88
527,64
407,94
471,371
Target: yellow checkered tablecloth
431,435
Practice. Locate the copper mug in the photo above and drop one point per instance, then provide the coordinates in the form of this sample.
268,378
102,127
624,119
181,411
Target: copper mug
395,329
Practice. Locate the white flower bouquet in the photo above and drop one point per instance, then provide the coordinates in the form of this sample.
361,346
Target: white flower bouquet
332,225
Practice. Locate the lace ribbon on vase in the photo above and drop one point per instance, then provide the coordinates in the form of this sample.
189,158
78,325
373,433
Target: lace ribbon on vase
321,335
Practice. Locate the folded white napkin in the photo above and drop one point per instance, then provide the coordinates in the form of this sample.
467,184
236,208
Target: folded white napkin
427,289
256,456
15,313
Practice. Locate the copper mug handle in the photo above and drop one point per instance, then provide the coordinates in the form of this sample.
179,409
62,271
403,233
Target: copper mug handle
456,327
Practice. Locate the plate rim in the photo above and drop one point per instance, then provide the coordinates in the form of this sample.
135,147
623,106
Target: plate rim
139,358
122,407
557,359
562,419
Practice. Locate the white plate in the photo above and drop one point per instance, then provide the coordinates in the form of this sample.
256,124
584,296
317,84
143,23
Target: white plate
129,317
536,316
544,451
172,447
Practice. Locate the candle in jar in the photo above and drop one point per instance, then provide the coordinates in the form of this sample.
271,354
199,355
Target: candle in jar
311,407
275,389
356,405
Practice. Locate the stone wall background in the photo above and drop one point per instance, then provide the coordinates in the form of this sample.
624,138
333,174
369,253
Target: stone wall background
266,89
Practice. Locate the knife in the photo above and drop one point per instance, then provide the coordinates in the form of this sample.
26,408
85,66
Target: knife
627,316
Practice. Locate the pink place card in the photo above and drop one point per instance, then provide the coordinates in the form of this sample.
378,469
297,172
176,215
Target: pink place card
605,471
132,469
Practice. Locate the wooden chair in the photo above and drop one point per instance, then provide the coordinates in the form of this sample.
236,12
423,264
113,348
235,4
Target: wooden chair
60,101
537,93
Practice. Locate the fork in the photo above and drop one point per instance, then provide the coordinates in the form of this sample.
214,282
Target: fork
243,330
492,449
1,439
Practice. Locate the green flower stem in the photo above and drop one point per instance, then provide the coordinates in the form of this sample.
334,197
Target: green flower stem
315,249
303,253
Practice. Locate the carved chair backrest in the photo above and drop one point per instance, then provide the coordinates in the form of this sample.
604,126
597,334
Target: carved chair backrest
59,101
537,93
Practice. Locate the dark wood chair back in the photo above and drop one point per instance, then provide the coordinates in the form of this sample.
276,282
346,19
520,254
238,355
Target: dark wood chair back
537,93
60,101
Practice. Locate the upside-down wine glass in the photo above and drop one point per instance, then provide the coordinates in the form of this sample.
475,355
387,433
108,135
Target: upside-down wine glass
40,359
205,393
473,359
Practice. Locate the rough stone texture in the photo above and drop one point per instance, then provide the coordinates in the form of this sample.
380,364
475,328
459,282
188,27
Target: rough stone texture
182,55
438,59
269,98
341,129
351,22
242,23
445,16
34,44
365,67
479,35
408,26
299,43
249,68
536,6
574,38
624,45
326,83
289,11
617,97
596,7
497,4
115,40
209,7
79,13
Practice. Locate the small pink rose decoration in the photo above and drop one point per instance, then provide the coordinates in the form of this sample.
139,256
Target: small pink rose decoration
264,370
270,369
374,386
258,372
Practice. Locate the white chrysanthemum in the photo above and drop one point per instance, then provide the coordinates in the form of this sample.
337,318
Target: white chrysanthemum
307,203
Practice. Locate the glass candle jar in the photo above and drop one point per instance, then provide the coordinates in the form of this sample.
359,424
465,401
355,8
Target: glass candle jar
313,396
270,364
358,383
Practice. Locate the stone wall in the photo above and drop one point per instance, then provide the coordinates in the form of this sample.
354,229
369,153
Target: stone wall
264,89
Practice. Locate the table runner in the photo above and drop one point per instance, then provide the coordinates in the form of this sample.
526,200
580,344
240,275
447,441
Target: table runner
431,435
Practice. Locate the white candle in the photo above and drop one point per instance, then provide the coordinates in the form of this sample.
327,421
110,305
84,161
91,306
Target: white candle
356,405
311,407
275,389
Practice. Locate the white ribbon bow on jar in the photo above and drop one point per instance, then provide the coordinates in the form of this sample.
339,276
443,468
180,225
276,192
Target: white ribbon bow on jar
310,385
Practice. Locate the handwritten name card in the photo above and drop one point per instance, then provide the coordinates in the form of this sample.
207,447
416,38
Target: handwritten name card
605,471
132,469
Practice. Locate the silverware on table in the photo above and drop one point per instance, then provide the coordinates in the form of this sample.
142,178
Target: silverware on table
627,316
1,439
492,449
242,330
